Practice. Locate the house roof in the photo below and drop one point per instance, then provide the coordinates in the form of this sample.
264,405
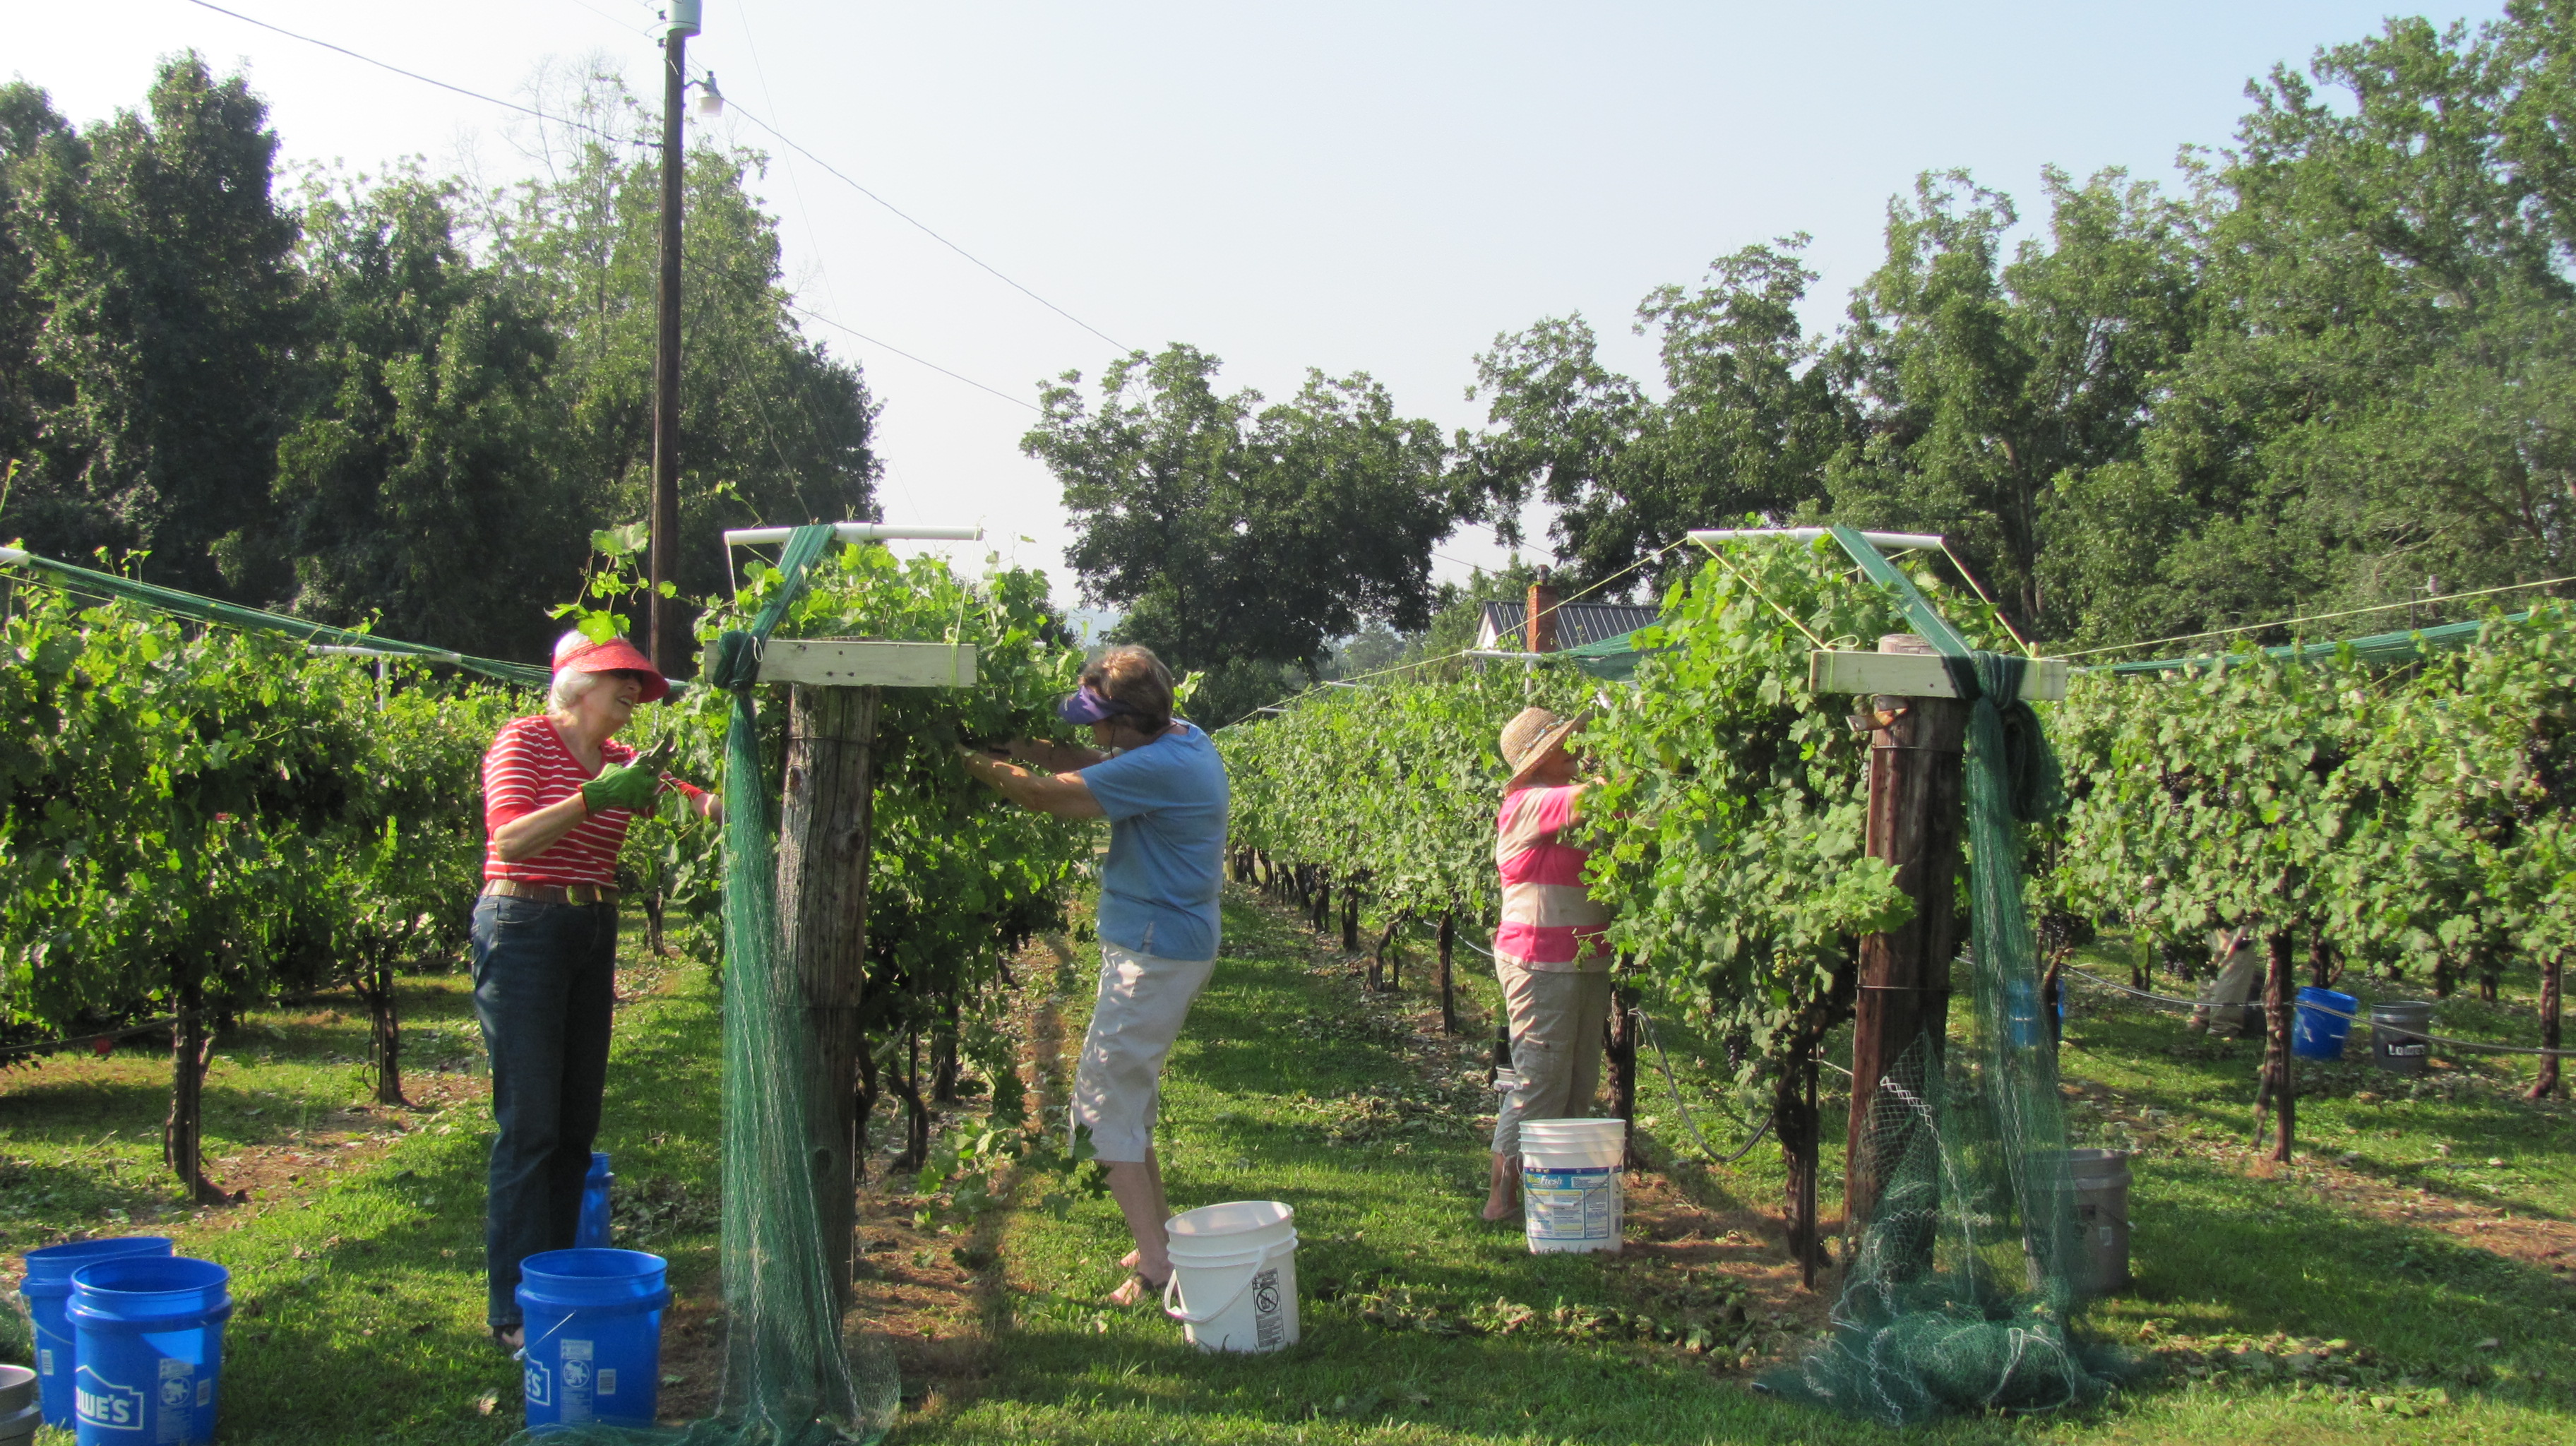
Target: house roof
1577,623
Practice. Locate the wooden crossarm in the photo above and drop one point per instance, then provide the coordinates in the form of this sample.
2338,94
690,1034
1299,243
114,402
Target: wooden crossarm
842,663
1918,675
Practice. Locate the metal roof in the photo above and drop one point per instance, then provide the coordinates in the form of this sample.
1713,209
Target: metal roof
1577,623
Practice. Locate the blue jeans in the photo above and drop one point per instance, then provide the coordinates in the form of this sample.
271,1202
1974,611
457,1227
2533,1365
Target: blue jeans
544,986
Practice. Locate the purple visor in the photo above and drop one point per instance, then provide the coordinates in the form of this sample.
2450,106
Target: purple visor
1089,706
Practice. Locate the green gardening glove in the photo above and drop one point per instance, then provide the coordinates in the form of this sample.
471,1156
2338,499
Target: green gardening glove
633,786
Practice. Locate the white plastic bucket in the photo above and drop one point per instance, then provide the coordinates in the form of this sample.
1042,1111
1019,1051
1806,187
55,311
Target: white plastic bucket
1234,1276
1570,1197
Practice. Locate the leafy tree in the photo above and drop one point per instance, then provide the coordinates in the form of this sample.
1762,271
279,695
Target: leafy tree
2380,402
28,124
1234,534
165,274
1985,386
1747,425
773,427
426,481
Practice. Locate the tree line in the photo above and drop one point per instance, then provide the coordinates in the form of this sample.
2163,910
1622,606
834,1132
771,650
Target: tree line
398,396
2333,369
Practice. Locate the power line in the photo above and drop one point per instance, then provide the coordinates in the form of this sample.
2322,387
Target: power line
785,140
908,356
416,75
755,120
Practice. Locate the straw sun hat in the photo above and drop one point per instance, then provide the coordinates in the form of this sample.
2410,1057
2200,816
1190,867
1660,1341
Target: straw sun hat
1532,734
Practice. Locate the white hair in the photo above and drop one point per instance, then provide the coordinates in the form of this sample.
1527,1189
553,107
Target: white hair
570,686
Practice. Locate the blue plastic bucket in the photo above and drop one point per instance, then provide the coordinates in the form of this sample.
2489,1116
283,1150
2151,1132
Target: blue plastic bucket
2022,1014
151,1343
592,1232
594,1332
47,1286
2322,1019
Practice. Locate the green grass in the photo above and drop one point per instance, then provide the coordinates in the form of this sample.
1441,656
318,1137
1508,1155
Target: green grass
358,1291
1388,1226
360,1297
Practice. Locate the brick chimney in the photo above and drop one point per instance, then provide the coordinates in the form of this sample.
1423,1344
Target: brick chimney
1541,631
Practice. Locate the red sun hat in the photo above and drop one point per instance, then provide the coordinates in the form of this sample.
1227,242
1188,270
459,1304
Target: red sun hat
581,655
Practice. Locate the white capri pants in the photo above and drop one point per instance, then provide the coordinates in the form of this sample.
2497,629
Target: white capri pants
1143,1001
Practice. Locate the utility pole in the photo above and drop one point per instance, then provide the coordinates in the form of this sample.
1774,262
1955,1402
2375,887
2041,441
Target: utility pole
663,522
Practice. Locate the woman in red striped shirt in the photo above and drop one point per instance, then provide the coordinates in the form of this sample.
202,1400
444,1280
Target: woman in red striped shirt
558,793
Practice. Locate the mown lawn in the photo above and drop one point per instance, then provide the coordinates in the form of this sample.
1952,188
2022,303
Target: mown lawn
1270,1096
357,1260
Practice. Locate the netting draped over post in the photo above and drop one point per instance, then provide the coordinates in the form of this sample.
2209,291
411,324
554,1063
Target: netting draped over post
1960,1296
791,1378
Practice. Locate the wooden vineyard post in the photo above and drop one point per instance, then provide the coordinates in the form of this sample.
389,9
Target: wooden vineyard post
823,837
823,841
1917,747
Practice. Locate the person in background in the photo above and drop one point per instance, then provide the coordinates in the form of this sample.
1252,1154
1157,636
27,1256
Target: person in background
558,793
1161,785
1549,955
2221,1008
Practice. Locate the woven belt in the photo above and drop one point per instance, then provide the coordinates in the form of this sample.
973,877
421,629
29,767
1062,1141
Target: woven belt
550,893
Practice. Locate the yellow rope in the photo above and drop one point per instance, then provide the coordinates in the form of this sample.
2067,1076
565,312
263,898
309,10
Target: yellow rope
1750,586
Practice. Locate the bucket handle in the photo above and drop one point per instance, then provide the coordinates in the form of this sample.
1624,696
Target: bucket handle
1251,1261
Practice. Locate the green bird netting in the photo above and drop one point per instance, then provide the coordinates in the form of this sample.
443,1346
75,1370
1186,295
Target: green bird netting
795,1375
107,586
1962,1295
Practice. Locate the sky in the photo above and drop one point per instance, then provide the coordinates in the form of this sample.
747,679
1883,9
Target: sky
1382,187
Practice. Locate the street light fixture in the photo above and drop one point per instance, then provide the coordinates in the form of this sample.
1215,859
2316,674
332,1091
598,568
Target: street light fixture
710,99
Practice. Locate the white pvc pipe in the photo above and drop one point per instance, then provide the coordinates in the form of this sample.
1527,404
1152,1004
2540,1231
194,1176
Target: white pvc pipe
1705,536
13,554
858,532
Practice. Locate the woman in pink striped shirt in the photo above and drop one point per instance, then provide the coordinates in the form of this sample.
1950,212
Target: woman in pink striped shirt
558,794
1548,952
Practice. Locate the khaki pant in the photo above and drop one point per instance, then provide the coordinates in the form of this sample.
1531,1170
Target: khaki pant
1557,1020
2221,1009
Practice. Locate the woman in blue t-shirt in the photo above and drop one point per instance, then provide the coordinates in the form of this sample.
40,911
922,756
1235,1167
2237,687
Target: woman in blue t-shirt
1161,785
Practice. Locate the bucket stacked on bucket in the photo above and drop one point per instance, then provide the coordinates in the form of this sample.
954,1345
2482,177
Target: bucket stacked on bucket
129,1340
47,1290
1570,1196
1234,1275
593,1320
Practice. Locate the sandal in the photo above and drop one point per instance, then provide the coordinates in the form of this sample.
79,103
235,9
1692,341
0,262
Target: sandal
1137,1289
